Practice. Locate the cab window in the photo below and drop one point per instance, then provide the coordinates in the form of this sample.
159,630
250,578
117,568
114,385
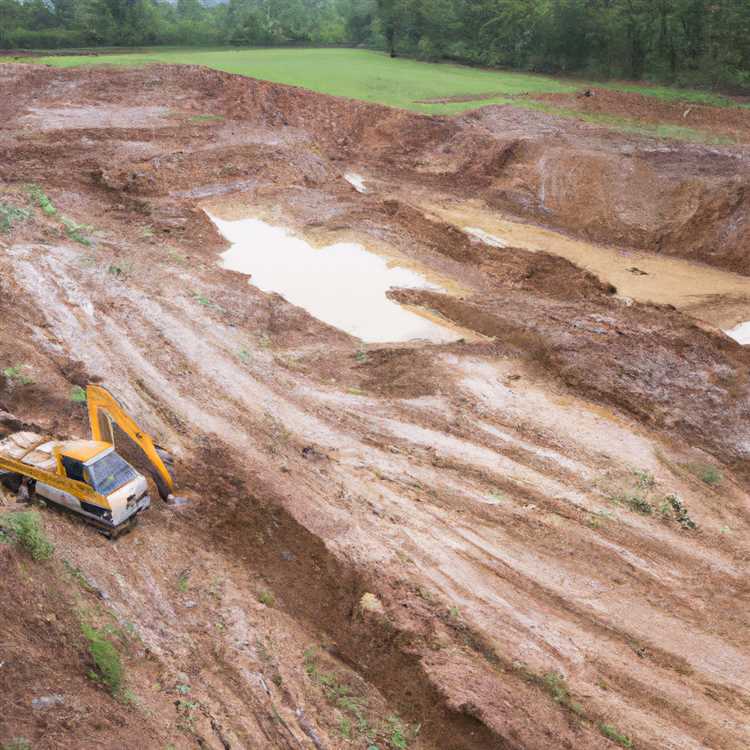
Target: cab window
73,468
110,473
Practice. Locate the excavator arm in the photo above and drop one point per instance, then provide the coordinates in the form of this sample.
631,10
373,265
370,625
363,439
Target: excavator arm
102,403
79,490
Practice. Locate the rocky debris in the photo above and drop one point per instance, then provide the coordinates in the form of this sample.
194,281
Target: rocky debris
48,701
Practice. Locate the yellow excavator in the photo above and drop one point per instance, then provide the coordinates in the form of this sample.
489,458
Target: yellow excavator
87,476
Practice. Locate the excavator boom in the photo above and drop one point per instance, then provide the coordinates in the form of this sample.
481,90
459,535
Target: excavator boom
102,403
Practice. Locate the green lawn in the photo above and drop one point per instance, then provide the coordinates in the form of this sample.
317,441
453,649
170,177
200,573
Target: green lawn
374,77
359,74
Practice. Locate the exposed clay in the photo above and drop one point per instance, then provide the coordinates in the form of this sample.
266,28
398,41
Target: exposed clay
480,492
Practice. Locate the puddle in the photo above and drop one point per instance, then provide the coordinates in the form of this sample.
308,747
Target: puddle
718,297
740,333
343,284
486,237
356,181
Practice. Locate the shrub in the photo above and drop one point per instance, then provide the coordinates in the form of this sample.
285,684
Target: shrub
109,669
26,528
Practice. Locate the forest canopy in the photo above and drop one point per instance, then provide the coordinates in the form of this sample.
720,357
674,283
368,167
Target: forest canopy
698,42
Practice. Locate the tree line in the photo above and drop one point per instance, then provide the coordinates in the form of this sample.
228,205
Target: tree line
681,41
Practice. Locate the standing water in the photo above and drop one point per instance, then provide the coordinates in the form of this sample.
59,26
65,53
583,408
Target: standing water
740,333
343,285
356,181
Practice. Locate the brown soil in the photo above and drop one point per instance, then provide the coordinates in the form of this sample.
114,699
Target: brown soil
732,122
485,493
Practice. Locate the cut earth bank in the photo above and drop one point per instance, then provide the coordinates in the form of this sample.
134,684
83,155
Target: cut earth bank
485,543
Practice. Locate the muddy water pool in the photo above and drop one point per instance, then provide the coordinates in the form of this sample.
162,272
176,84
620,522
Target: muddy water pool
342,284
718,297
740,333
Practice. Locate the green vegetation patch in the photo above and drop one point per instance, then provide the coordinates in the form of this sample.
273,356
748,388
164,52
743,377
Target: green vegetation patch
108,667
15,374
25,528
353,73
614,734
17,743
40,198
76,231
357,722
673,94
206,118
78,395
707,473
11,215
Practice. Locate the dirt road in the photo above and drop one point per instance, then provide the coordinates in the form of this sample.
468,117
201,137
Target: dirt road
481,544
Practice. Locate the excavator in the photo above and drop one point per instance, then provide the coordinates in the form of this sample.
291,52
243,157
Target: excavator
89,477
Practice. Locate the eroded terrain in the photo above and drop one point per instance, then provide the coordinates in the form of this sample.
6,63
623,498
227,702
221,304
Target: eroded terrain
468,544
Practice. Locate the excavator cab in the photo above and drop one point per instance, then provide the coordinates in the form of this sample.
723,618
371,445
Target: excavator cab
117,491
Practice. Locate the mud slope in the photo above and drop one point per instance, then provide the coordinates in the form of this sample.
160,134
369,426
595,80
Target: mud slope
536,536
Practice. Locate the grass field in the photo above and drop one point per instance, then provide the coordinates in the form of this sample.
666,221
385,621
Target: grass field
374,77
359,74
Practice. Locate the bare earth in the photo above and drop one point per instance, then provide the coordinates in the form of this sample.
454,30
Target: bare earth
478,491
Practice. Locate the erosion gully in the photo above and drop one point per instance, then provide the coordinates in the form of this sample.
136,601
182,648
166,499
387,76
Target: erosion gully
469,521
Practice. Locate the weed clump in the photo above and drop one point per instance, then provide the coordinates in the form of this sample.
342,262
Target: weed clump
15,375
41,199
17,743
614,734
11,215
109,670
707,473
639,504
266,598
75,231
26,529
77,395
357,721
680,512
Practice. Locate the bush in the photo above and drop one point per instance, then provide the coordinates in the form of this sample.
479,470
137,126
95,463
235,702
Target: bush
109,669
26,529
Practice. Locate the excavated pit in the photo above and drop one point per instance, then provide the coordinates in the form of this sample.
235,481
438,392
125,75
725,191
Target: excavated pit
474,537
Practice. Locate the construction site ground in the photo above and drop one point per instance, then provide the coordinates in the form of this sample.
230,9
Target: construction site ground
535,536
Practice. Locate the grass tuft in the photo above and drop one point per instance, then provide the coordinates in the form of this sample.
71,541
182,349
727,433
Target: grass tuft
26,529
15,375
41,199
78,395
108,665
76,231
11,215
266,598
614,734
17,743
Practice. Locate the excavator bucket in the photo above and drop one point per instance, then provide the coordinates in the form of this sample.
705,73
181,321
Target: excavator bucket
105,412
